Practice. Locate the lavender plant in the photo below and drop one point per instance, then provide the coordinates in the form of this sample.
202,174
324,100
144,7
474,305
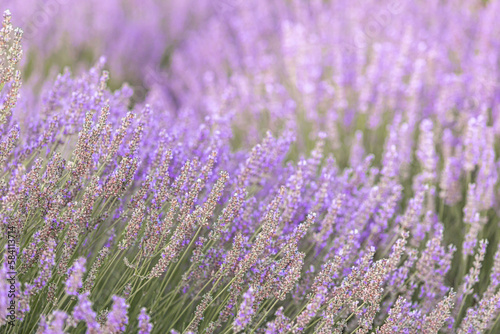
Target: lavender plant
294,167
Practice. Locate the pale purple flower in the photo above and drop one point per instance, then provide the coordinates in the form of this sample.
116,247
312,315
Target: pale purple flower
54,325
83,312
145,325
47,263
117,317
245,312
74,281
426,151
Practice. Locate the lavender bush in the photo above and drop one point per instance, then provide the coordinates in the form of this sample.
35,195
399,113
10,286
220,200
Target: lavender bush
275,167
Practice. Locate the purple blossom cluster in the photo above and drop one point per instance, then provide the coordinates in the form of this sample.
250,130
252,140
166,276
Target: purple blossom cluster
282,167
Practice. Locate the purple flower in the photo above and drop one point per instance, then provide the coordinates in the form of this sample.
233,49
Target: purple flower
117,317
83,312
74,281
274,166
145,326
245,312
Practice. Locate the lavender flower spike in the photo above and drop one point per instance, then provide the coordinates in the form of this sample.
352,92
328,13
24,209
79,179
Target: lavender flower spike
145,326
117,317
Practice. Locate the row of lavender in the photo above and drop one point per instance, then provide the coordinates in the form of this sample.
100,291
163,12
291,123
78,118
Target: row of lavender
369,205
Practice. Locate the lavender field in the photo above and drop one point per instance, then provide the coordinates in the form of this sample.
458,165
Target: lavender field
249,166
